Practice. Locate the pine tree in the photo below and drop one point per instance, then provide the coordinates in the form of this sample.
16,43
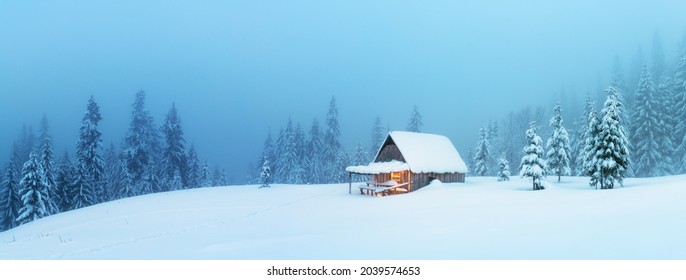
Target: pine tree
377,137
113,172
533,165
10,201
415,124
481,153
174,157
558,146
503,170
612,147
266,174
91,168
46,161
142,140
33,191
645,131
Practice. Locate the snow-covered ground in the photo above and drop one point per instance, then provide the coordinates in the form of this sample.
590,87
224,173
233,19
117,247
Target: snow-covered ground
481,219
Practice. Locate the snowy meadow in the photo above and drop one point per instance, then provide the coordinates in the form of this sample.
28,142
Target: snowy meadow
480,219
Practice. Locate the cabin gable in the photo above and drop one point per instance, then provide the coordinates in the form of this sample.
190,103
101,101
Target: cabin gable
389,151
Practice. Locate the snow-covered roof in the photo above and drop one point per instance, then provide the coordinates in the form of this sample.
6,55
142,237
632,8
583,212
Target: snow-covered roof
426,153
379,167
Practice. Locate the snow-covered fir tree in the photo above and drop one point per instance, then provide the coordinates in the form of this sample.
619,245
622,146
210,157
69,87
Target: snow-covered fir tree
588,116
503,170
415,123
47,162
279,149
91,166
481,153
612,154
266,174
646,129
533,164
361,158
332,146
378,134
142,142
10,201
193,170
33,191
496,145
113,172
299,173
558,146
679,100
666,137
151,182
64,184
174,154
205,179
83,193
315,145
267,153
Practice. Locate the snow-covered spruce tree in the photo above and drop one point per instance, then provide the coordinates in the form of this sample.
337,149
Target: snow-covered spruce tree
174,161
668,123
583,134
679,93
193,172
279,151
558,146
150,182
646,128
47,161
496,145
64,184
287,161
266,174
142,142
481,152
361,158
377,137
205,179
315,168
533,165
332,146
33,191
612,154
128,188
415,124
503,170
268,153
113,172
91,167
299,173
10,201
23,148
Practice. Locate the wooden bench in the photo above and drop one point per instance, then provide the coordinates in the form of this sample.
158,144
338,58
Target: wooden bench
383,189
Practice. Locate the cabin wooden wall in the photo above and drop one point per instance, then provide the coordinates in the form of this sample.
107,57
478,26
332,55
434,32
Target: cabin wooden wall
420,180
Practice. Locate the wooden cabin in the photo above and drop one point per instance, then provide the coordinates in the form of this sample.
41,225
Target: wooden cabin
408,161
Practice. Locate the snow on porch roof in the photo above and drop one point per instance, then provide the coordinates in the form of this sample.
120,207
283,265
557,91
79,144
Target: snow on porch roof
379,167
426,153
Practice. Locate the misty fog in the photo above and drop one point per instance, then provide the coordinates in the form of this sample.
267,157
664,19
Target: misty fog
239,70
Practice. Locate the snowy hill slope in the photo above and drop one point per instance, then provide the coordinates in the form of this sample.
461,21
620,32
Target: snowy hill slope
481,219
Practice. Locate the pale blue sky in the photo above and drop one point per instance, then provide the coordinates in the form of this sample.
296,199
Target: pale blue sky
237,68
